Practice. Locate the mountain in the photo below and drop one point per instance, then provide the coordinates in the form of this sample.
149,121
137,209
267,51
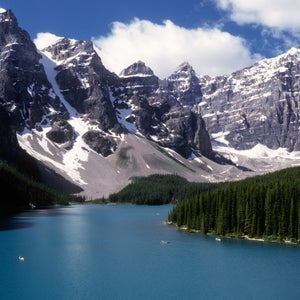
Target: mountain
90,130
161,110
256,105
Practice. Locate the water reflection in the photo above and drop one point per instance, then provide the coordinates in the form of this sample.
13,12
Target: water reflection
19,221
13,223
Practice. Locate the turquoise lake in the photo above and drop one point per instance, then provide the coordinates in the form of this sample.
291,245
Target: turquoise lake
116,252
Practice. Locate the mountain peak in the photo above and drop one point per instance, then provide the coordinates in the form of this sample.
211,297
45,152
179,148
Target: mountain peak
292,54
7,16
184,73
293,50
185,68
46,39
138,68
185,65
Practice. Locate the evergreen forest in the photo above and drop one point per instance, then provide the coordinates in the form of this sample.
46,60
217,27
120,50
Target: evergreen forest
19,192
157,189
265,206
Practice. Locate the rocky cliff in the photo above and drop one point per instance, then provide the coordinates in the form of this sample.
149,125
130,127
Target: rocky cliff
256,105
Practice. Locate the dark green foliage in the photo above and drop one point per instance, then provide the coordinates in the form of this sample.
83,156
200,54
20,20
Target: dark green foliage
262,206
19,192
151,190
157,189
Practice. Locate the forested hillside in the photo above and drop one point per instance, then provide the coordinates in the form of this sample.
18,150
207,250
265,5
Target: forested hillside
19,192
157,189
265,206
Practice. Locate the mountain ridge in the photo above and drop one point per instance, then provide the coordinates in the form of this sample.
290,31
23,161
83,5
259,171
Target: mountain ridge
98,129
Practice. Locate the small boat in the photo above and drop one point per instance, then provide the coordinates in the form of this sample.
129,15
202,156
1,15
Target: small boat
21,257
164,242
218,239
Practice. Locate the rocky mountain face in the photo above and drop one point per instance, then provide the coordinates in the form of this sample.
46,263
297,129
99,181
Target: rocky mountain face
256,105
161,110
25,91
97,129
84,83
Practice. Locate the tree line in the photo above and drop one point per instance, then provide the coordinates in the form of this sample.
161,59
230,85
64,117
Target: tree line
156,189
265,206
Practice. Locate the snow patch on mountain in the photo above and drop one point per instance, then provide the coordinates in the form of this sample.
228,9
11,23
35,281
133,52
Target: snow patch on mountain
262,151
123,114
71,161
260,159
71,164
45,39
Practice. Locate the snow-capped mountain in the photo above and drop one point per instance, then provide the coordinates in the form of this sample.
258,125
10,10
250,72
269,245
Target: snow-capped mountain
256,105
97,129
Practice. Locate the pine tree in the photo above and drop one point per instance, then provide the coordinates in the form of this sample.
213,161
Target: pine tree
268,213
292,220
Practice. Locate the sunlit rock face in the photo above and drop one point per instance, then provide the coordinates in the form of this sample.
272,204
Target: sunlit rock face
184,85
84,82
259,104
163,109
85,85
25,91
26,94
139,79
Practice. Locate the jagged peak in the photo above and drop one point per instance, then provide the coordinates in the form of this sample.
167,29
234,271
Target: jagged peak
294,50
292,54
269,67
61,49
184,70
6,15
46,39
74,45
137,69
185,66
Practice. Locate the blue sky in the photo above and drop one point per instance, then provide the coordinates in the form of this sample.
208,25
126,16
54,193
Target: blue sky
216,37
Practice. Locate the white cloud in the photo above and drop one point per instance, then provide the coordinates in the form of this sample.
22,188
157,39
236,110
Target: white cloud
279,14
163,47
45,39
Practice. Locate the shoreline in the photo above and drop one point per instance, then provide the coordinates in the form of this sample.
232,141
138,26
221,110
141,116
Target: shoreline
232,236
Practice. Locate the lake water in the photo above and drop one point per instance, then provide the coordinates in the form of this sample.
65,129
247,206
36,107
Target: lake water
115,252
